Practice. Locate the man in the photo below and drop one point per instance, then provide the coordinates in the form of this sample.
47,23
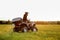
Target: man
25,17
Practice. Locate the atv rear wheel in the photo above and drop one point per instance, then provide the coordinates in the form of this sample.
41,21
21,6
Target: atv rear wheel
34,29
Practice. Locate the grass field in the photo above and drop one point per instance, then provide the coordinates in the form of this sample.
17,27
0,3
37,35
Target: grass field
45,32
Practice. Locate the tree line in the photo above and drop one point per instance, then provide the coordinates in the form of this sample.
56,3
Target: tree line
47,22
37,22
5,22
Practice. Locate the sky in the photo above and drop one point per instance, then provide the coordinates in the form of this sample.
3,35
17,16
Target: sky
39,10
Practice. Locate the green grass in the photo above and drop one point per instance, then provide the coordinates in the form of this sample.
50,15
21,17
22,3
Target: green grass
45,32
